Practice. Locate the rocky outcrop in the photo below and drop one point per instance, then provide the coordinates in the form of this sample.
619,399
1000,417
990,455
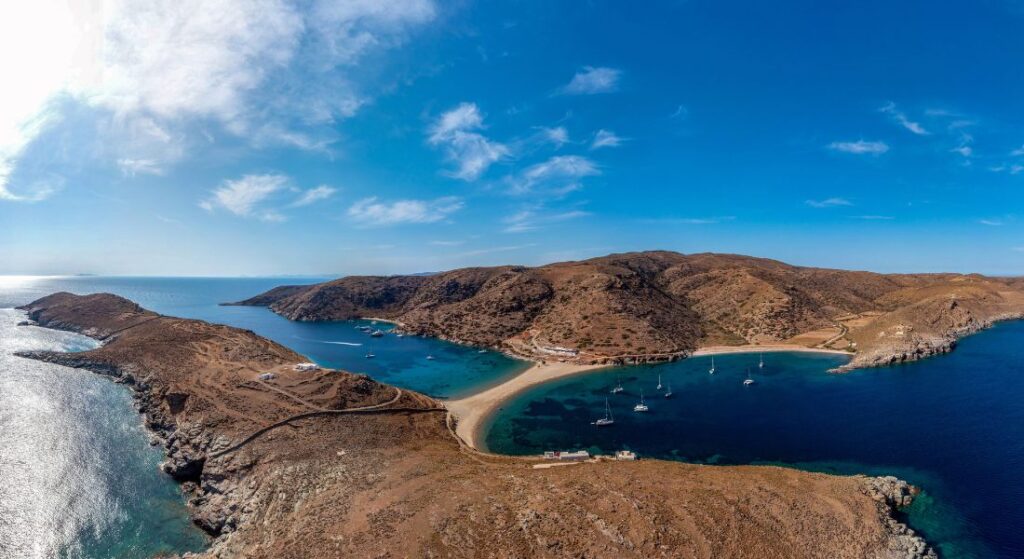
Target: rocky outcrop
394,482
659,306
894,494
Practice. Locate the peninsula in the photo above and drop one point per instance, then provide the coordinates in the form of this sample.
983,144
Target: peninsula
284,460
659,306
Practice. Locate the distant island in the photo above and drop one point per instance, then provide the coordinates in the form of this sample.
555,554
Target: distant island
659,306
280,458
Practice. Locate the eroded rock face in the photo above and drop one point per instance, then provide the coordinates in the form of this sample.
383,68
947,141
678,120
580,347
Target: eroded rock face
394,482
659,306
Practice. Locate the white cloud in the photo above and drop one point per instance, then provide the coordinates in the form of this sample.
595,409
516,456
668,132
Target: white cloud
313,195
371,212
260,69
964,150
873,217
532,219
558,136
681,112
243,197
472,153
606,139
447,243
901,118
591,80
990,222
860,147
559,174
828,203
1017,152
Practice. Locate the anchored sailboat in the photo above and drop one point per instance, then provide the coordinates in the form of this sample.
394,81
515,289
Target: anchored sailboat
659,382
749,380
760,364
711,371
607,419
668,391
618,386
641,407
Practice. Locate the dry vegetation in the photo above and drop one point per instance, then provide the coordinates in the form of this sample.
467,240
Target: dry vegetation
394,482
661,305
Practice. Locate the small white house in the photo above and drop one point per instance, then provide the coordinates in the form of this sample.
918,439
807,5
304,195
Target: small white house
268,376
306,367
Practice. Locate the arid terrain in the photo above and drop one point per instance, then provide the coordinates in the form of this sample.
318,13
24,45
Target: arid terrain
653,306
330,464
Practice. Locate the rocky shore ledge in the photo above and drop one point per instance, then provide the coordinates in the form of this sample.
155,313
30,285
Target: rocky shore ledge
392,481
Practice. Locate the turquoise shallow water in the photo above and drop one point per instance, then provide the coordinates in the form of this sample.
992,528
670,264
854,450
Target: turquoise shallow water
77,476
952,424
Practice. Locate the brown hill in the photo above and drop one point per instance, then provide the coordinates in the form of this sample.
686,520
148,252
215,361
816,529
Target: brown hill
662,305
328,464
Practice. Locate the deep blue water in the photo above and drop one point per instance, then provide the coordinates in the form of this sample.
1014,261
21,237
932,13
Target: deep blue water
952,424
77,476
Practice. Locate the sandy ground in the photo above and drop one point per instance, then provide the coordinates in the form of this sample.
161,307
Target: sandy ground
473,411
718,350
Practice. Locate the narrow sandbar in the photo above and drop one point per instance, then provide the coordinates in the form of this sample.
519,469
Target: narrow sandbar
473,411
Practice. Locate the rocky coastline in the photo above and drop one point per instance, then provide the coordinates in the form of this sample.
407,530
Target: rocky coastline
257,502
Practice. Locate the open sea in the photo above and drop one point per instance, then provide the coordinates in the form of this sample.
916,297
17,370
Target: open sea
78,479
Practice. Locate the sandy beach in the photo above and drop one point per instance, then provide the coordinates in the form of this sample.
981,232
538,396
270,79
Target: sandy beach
473,411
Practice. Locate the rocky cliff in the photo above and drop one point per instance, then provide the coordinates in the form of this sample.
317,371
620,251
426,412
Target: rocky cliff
654,306
284,463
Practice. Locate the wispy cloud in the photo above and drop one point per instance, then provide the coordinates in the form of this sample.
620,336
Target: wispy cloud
447,243
260,71
472,153
901,118
558,135
532,219
243,197
371,212
558,174
873,217
991,222
491,250
606,139
680,113
314,195
689,220
860,147
1017,152
592,80
828,203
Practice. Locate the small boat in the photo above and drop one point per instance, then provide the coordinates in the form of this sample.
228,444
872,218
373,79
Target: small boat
711,371
482,351
607,419
430,358
749,380
760,364
668,391
641,407
659,382
377,334
618,386
370,356
400,335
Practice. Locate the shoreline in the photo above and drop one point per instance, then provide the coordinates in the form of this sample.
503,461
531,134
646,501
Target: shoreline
473,412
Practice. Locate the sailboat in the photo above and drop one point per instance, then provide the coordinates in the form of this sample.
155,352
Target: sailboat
641,407
749,380
607,419
760,364
430,358
668,391
711,371
659,382
370,356
618,386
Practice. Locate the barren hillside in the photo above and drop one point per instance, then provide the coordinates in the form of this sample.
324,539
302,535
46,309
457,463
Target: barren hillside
653,306
382,476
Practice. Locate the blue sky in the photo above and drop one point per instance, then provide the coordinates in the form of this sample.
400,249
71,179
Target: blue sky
269,137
